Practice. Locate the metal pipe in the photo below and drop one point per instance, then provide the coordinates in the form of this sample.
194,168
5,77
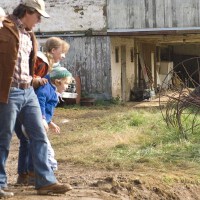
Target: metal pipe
41,35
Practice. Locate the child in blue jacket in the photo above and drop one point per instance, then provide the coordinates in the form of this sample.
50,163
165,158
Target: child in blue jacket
48,96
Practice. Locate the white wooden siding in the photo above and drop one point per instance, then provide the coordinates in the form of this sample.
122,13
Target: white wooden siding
136,14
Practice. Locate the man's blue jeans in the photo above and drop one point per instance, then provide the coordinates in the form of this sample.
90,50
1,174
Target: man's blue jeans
23,104
25,163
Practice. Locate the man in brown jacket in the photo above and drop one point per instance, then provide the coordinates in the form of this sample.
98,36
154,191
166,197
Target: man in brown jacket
17,96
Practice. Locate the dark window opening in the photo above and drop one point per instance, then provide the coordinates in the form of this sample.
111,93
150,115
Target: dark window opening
117,54
132,55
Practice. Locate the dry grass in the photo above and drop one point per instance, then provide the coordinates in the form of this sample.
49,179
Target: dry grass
121,137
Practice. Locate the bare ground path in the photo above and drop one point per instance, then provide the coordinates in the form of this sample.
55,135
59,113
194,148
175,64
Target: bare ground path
94,184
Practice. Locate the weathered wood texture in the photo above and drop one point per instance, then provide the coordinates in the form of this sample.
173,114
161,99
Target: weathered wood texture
89,58
139,14
68,15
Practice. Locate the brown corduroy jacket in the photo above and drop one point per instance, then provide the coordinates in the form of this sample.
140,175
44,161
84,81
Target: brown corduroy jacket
9,45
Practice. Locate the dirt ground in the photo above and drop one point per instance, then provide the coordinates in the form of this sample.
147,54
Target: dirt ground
92,184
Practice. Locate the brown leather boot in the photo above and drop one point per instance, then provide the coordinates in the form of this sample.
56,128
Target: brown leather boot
31,178
55,188
22,179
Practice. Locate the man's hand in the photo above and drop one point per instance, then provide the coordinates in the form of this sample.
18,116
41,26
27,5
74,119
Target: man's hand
43,81
38,81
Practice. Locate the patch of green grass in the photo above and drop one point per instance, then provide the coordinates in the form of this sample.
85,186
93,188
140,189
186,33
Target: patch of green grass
123,138
136,120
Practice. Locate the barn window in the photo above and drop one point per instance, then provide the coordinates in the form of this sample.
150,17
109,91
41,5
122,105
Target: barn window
116,54
132,54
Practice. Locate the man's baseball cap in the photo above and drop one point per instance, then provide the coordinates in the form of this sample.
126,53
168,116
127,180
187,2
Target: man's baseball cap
38,5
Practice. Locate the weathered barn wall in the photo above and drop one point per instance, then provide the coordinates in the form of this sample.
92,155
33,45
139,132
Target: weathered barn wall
89,58
93,57
68,15
138,14
122,73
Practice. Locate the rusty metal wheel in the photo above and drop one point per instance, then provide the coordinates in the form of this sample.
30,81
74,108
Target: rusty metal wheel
180,90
